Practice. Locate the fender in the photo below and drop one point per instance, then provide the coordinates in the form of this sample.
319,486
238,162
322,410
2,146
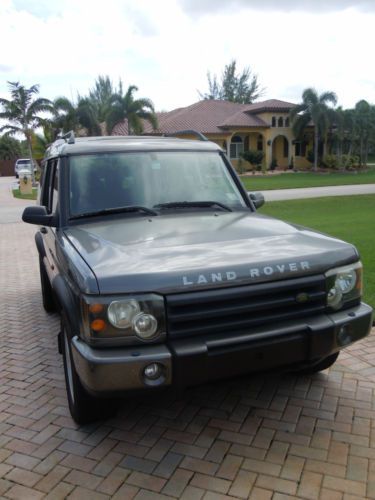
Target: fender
40,245
66,302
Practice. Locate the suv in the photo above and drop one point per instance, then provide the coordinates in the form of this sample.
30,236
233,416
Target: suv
22,164
165,274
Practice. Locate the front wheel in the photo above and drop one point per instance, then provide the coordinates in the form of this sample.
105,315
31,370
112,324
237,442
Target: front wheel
83,407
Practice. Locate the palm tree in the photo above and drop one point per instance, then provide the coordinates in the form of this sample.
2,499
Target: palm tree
71,116
10,148
314,108
101,96
22,112
88,117
40,142
364,126
65,116
125,107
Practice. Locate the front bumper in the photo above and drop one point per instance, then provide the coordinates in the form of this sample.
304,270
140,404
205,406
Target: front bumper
195,360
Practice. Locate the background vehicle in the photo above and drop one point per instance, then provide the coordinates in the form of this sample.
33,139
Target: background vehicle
22,163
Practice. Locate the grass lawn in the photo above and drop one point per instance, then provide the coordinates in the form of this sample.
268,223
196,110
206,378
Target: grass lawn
306,179
17,194
351,218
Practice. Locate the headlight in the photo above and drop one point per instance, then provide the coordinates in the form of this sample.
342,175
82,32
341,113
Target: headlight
123,320
121,312
344,284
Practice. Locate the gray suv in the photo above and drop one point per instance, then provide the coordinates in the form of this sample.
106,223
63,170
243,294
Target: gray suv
164,273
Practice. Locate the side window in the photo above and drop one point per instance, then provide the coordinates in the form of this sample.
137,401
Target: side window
50,186
55,187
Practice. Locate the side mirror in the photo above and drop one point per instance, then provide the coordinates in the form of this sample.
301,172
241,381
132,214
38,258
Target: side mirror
38,215
257,198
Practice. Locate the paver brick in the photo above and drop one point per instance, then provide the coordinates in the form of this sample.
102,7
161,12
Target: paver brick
177,483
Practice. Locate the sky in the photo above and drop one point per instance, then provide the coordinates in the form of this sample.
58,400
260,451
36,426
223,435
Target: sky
166,47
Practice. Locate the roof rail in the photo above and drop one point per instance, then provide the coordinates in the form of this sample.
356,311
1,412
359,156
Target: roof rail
199,135
69,137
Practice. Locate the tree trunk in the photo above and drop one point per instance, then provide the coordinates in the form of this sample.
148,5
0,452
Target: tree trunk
28,138
366,153
316,140
361,152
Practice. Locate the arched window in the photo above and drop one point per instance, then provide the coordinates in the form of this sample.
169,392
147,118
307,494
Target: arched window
260,142
236,146
274,121
287,122
280,122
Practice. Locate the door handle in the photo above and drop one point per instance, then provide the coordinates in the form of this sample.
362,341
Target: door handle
43,230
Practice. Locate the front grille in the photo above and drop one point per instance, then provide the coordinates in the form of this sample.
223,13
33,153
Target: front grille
239,308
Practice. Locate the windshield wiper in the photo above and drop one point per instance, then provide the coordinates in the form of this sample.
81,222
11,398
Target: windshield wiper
187,204
116,210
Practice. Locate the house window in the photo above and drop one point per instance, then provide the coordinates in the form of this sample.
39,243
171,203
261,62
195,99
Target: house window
236,146
287,122
280,122
260,143
274,121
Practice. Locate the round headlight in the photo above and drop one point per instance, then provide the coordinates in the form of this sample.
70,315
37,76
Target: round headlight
121,312
347,280
145,325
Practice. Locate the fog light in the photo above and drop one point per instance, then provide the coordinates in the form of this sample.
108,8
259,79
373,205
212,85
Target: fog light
145,325
343,336
153,371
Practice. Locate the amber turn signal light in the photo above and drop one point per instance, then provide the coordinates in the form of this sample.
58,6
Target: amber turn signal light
98,325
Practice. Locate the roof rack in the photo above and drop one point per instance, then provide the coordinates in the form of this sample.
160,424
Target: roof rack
200,136
69,137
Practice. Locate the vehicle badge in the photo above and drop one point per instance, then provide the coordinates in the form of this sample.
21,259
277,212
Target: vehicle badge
302,297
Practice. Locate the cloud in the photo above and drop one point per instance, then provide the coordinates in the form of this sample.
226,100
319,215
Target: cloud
42,8
5,68
201,7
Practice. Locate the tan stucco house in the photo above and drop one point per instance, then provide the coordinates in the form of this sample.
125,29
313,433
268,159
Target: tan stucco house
263,126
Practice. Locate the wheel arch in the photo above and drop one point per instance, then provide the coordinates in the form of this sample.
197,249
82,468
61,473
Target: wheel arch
40,245
66,302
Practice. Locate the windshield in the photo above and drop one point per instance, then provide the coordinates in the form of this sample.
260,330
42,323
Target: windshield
106,181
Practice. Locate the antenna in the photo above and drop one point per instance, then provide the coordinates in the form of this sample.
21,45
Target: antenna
69,137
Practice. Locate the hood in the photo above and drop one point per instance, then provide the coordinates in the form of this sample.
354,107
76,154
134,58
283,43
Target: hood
180,252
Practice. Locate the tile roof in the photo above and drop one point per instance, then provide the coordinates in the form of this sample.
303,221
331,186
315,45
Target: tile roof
270,105
210,117
243,119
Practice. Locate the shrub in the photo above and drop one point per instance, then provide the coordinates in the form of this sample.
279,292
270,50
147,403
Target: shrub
350,161
273,164
253,156
240,166
310,156
330,161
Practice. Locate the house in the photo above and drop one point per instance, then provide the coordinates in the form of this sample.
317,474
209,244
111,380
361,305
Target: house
263,126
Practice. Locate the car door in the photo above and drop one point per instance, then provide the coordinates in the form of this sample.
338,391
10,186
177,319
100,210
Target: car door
50,199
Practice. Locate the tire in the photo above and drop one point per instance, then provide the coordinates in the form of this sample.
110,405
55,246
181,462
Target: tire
83,407
319,366
47,293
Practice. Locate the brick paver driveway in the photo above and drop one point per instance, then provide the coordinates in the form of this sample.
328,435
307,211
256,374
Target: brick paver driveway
262,436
